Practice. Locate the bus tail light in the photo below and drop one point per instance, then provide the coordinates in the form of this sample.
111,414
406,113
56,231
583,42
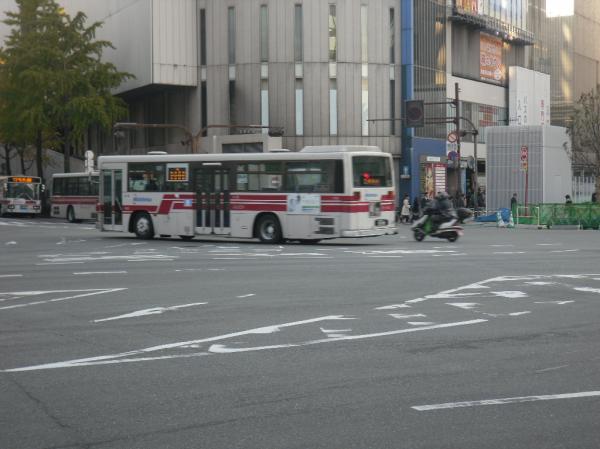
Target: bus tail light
356,196
392,195
99,207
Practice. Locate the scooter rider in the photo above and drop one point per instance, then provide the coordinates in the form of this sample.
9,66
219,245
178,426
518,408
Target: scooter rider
441,210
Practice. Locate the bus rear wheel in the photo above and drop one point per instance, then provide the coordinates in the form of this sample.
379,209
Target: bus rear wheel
142,226
71,215
268,229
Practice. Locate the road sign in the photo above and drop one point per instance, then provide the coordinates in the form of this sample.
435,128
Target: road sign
452,137
415,113
524,158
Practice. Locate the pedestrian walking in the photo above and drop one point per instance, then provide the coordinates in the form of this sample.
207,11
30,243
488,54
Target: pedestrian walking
513,204
405,212
415,208
568,200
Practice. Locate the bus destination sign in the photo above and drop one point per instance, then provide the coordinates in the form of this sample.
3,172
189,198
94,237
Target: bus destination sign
23,179
177,173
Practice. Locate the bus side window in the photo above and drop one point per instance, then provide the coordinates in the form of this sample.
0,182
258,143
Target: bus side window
57,186
84,186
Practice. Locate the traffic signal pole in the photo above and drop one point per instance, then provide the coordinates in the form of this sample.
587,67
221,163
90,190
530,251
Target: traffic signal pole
458,137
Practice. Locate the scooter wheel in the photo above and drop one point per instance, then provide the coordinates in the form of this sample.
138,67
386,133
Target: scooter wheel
453,237
419,235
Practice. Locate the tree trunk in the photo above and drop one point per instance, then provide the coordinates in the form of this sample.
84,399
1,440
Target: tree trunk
22,159
38,154
7,158
67,149
40,169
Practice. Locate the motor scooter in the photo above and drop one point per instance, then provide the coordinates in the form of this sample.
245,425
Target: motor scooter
449,230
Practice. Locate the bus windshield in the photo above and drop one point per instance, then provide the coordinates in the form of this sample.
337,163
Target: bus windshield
22,190
371,171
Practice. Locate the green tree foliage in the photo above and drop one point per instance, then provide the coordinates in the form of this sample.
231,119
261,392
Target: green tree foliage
584,131
53,83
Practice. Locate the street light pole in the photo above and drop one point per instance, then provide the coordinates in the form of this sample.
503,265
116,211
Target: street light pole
457,121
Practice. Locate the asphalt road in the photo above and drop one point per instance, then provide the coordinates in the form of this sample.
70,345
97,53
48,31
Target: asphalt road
111,342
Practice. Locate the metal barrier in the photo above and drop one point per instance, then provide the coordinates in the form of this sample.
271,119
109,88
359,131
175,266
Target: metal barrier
585,216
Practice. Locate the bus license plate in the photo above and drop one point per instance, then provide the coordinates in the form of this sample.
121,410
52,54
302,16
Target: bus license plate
23,207
381,222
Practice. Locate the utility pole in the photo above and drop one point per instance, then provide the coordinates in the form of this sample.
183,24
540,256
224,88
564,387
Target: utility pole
458,138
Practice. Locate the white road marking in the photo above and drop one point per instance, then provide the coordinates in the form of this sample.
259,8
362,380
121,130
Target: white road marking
565,251
587,289
85,273
463,305
420,323
58,263
503,401
90,292
152,311
399,316
131,257
182,344
511,294
554,368
224,349
11,275
540,283
11,243
560,303
393,306
246,296
509,252
519,313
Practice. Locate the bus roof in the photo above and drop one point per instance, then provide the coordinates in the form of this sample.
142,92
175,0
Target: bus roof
339,149
217,157
74,175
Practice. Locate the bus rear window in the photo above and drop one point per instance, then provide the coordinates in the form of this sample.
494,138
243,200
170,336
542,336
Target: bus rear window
371,171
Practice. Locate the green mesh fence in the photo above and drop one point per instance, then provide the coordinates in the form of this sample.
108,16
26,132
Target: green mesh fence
585,215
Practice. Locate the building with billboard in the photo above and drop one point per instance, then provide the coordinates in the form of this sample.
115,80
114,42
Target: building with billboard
338,72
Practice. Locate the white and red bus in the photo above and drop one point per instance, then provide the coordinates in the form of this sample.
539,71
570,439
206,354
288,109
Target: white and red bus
314,194
74,196
21,195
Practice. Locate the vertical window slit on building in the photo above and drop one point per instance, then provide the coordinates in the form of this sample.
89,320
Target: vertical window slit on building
364,46
203,37
231,35
299,107
332,34
392,107
333,110
264,33
232,118
203,107
392,37
264,104
298,50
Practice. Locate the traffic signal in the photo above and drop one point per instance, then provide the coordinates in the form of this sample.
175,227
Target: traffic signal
415,113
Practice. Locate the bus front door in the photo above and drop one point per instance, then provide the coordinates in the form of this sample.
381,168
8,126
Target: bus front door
112,199
213,215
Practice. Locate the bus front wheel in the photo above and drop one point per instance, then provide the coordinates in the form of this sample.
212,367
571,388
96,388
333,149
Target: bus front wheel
268,229
142,227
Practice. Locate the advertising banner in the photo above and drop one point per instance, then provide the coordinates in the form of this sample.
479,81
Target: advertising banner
470,6
490,59
303,203
528,97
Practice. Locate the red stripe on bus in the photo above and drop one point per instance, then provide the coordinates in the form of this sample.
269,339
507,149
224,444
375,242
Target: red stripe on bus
260,207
